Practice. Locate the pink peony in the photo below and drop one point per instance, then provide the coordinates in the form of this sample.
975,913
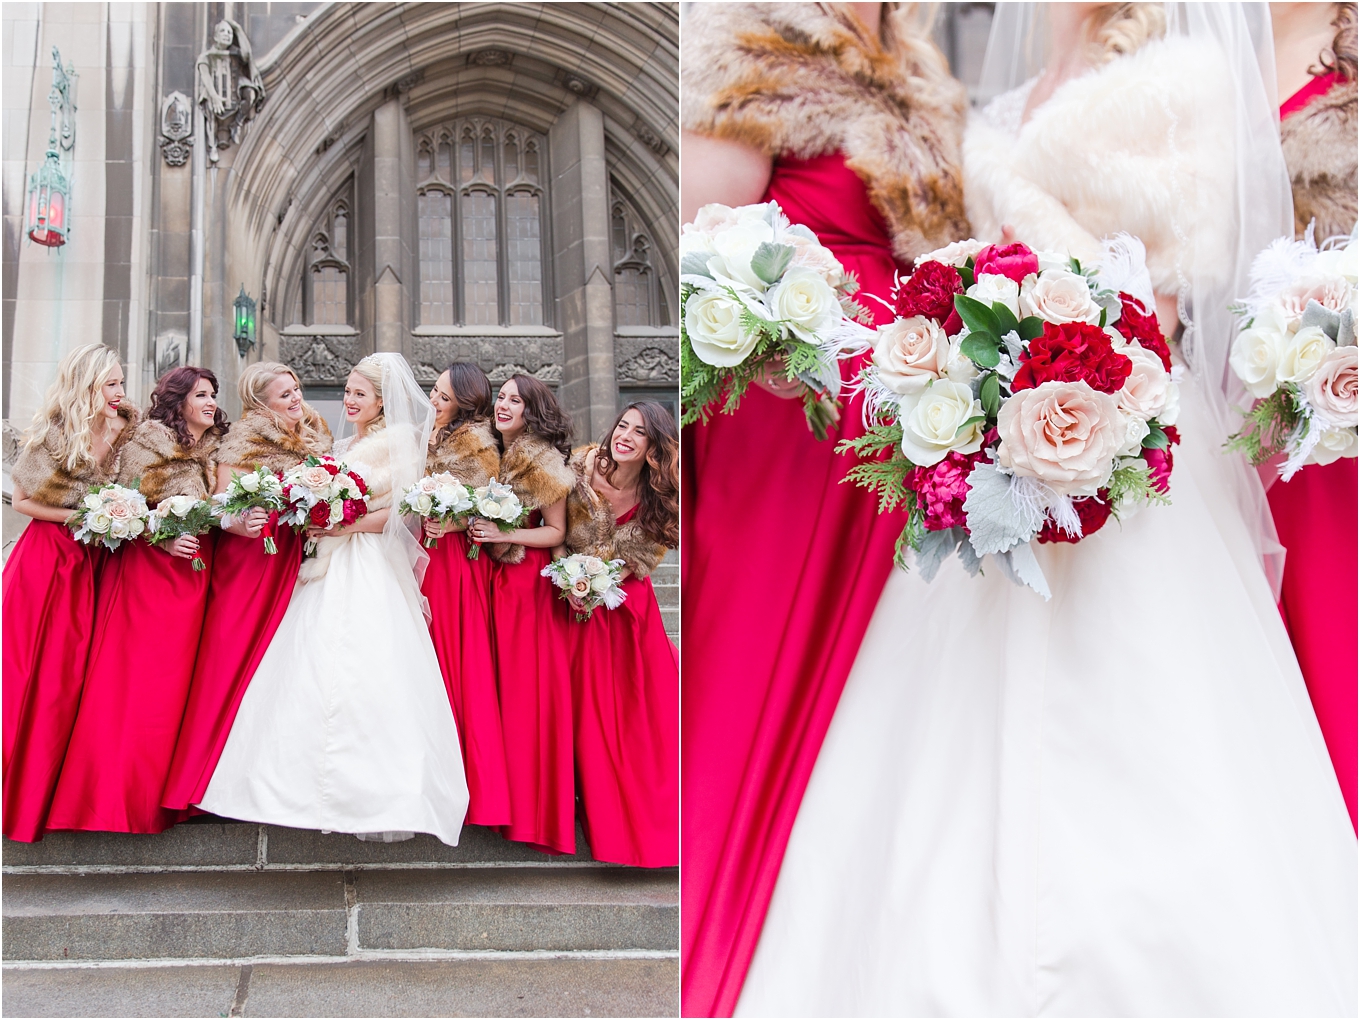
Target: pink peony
1013,261
941,489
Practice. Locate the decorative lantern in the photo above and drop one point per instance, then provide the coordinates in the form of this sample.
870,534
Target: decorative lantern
47,193
244,333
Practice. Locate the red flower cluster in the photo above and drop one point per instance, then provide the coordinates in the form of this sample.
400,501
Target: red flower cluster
1093,513
1014,261
941,489
930,292
1072,352
1159,462
1135,323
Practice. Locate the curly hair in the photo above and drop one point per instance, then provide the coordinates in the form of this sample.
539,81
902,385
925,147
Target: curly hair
73,403
543,416
1120,29
659,486
472,391
252,385
167,402
1341,59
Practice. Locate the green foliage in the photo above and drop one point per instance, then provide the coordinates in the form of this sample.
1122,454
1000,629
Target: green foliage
770,260
984,349
1031,327
966,274
1268,426
1156,439
990,394
886,477
912,534
1131,483
976,316
1005,319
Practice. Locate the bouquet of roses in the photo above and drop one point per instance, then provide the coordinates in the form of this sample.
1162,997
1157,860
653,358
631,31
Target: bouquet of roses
440,497
109,515
321,492
259,489
592,580
1023,397
180,515
758,294
1297,355
496,502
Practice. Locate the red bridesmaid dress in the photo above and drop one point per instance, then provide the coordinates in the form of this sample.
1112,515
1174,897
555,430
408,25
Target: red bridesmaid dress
1316,518
772,542
49,617
247,596
626,694
459,592
533,649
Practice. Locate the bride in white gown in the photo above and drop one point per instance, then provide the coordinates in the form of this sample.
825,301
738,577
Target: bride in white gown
1117,802
346,726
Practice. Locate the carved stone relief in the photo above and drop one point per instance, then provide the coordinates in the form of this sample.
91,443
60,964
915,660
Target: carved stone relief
320,359
647,361
650,138
177,128
499,357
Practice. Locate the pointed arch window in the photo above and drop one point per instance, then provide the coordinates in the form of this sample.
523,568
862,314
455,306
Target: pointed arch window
639,295
326,283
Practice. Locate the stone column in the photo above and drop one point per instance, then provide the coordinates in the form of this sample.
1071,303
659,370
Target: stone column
386,255
582,268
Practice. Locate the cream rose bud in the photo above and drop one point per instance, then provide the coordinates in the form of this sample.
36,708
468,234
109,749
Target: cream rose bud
136,526
1135,431
118,529
250,482
1171,410
713,322
181,506
991,288
428,484
1063,433
1334,444
489,508
933,422
1333,388
909,353
1144,392
806,302
1059,295
713,218
959,367
593,564
580,587
601,583
1302,354
956,253
1255,358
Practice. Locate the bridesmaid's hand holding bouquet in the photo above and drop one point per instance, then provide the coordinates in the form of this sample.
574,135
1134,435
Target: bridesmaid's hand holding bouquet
440,499
260,489
109,515
180,517
495,502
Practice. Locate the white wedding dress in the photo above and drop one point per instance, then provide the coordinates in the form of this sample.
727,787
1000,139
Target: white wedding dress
1114,803
347,726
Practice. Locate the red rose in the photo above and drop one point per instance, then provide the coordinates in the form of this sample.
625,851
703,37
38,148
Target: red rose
1160,462
332,467
1072,352
1093,513
320,515
1013,261
930,292
1136,324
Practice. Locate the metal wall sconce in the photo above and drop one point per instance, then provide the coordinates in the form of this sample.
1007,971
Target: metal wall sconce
244,333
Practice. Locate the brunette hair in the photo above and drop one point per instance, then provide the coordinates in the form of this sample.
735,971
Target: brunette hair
252,385
72,404
659,486
472,390
167,402
1342,56
543,416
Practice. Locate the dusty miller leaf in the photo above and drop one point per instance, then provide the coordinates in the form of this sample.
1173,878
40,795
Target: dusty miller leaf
996,522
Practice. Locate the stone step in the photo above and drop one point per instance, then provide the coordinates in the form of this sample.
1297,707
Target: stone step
513,985
249,914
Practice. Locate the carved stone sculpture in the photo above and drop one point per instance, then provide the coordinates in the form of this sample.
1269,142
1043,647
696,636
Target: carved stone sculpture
229,89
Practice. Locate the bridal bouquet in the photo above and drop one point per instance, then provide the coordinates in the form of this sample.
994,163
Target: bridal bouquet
592,580
259,489
496,502
440,497
1297,355
109,515
321,492
1023,396
757,295
176,516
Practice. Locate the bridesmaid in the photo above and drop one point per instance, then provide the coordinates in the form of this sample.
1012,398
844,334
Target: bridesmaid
147,628
249,590
625,671
1315,511
459,590
73,443
528,633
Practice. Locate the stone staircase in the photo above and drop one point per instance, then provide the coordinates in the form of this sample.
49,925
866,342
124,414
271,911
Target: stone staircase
231,919
666,583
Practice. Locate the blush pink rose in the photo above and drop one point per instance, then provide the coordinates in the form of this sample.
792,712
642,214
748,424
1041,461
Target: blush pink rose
316,477
119,510
1330,292
1333,388
1063,433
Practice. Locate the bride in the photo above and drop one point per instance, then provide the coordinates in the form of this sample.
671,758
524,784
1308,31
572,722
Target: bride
1117,802
346,726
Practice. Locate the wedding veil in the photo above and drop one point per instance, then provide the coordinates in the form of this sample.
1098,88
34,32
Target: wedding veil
1246,113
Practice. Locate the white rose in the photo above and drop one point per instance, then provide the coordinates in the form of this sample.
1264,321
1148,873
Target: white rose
733,250
1135,431
713,322
98,521
1171,410
181,506
601,583
135,527
991,288
92,502
1343,262
271,484
805,301
1335,444
424,504
593,565
1255,357
489,508
250,482
959,368
909,353
955,254
1302,354
809,253
428,485
933,422
1059,295
1144,391
119,529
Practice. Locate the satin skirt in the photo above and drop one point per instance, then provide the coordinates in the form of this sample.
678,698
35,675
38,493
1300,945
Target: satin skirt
149,619
1116,803
626,694
49,617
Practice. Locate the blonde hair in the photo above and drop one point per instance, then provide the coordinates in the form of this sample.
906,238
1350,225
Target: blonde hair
371,369
907,30
72,405
1120,29
256,379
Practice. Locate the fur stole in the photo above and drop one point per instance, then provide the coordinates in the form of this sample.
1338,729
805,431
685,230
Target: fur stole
257,441
791,79
1096,159
162,467
539,475
469,453
371,458
41,471
592,529
1320,150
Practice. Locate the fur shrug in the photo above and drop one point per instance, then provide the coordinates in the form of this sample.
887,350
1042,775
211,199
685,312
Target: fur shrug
539,476
42,474
791,79
1320,150
162,467
592,529
257,441
371,458
1095,159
